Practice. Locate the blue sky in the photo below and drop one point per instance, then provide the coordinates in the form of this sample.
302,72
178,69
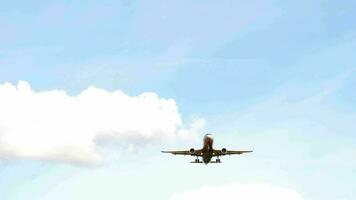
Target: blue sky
275,76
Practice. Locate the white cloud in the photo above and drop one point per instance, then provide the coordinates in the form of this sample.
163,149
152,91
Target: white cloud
51,125
251,191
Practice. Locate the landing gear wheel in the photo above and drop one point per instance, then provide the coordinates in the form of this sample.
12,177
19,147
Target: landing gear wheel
218,160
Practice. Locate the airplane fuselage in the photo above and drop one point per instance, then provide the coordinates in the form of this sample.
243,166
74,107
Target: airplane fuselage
207,151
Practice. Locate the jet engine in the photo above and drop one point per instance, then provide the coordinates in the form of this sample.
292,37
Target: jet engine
223,151
192,151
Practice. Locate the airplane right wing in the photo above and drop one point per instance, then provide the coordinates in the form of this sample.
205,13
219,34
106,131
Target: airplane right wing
190,152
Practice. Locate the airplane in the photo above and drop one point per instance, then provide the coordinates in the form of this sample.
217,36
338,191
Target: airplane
207,152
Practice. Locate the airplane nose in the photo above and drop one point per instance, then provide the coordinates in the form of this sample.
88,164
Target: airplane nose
210,136
208,141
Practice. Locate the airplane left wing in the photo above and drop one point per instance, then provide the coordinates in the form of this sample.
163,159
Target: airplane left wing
228,152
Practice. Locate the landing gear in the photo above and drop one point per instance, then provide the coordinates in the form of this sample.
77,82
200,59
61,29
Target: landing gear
197,159
218,160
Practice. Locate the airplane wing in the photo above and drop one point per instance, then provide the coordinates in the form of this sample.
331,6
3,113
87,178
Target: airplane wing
186,153
228,152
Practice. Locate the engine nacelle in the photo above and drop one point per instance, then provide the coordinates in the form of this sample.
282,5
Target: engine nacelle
223,151
192,151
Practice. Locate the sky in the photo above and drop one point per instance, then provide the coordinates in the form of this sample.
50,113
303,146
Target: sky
91,92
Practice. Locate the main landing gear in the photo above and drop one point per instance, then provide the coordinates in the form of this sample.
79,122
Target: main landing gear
218,160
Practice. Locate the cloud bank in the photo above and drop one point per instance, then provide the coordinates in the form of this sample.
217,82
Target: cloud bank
52,125
251,191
